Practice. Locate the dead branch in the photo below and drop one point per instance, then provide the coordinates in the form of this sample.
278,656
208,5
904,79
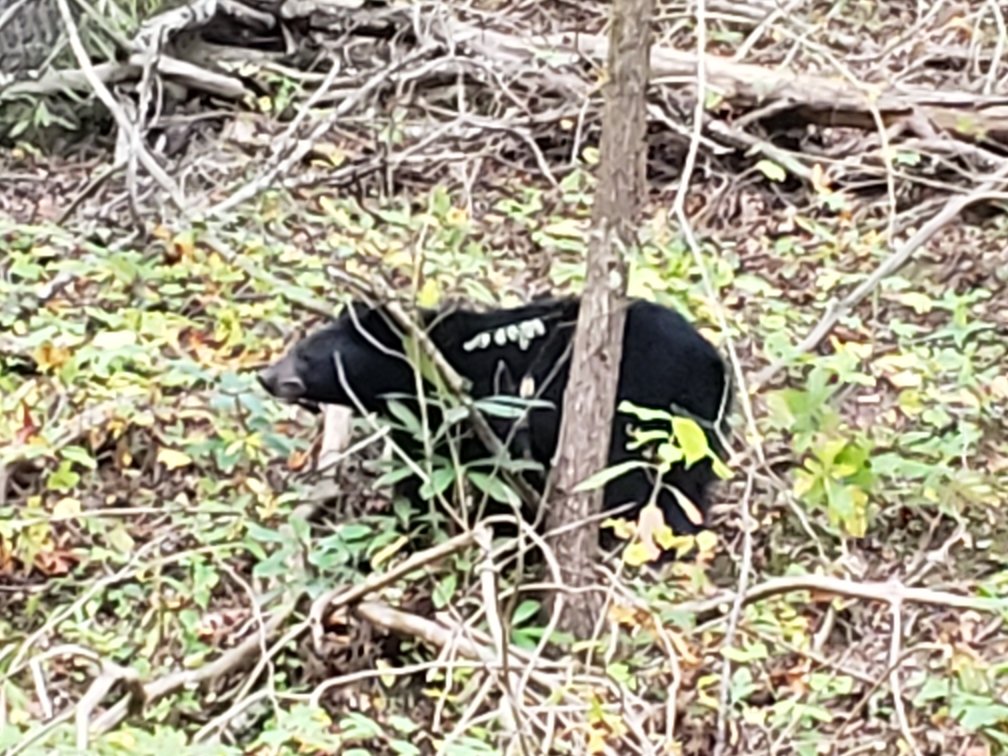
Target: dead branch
824,100
337,599
839,308
887,592
121,119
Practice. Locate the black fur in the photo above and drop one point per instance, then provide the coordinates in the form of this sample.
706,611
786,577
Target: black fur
666,364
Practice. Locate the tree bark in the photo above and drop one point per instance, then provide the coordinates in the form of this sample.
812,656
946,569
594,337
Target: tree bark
590,399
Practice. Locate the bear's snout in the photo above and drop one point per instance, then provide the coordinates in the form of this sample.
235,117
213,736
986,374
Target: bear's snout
281,380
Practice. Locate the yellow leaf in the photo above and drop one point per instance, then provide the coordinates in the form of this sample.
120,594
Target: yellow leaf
388,551
819,180
682,648
803,483
398,258
172,458
622,528
596,742
643,281
897,361
623,615
143,419
664,536
328,205
331,152
569,228
387,680
638,553
429,295
918,302
120,539
706,541
905,379
49,356
184,244
123,739
256,486
859,349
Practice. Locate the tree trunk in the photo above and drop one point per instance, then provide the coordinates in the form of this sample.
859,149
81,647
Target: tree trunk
590,399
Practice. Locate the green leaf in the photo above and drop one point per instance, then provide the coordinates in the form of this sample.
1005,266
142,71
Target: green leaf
441,478
263,535
607,474
641,438
393,476
63,478
402,724
444,590
643,414
403,747
525,610
495,488
405,416
619,671
752,652
79,455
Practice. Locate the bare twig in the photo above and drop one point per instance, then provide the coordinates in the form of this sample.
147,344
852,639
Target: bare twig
304,146
122,121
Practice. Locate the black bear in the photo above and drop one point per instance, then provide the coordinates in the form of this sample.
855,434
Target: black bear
359,360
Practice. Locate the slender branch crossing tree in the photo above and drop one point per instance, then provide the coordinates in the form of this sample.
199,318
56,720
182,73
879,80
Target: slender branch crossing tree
590,398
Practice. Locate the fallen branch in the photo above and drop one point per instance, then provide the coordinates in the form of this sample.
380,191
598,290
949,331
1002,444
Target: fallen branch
170,683
337,599
888,592
839,308
122,121
825,100
184,72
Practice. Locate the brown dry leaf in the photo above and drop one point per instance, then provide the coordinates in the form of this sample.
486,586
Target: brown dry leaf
623,614
217,626
298,459
55,562
183,246
683,649
28,427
